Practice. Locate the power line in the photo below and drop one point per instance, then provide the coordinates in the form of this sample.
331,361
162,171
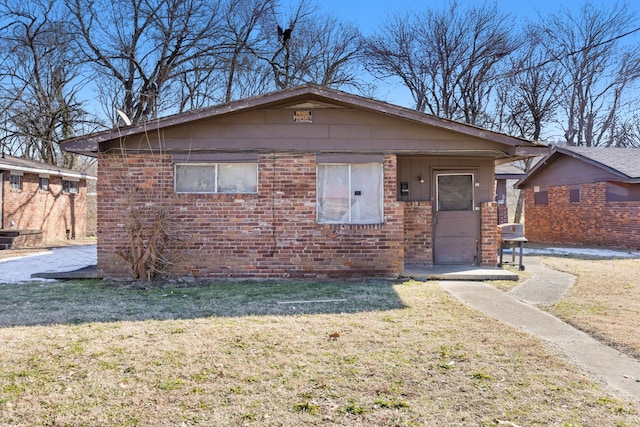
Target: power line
581,50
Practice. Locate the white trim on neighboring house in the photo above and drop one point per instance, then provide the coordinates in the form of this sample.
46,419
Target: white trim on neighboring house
19,170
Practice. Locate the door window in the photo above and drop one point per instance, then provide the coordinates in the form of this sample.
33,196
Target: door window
455,192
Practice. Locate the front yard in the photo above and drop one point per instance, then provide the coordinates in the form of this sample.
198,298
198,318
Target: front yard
268,353
605,301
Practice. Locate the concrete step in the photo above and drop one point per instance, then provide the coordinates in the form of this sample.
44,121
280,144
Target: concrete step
457,272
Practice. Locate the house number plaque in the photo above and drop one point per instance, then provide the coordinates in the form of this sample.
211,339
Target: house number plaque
302,116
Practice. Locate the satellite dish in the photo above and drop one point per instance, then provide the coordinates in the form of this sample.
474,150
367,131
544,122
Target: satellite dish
124,117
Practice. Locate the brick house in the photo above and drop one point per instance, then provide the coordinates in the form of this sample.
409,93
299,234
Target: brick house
40,203
506,174
584,196
304,182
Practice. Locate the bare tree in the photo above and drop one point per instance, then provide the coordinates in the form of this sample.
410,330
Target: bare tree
40,81
395,52
309,47
628,132
242,35
529,94
140,47
528,98
337,45
449,60
598,71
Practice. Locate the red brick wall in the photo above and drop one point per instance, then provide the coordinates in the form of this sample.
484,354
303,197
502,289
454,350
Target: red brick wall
489,233
60,215
418,233
591,222
270,234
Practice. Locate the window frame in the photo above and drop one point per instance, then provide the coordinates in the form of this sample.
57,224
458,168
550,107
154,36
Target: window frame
451,174
575,195
70,186
43,183
351,190
216,172
15,181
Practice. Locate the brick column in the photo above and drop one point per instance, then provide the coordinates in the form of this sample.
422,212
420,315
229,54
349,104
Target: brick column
489,238
418,233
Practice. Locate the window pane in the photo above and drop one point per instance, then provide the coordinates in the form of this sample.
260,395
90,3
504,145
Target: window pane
366,193
455,192
69,186
237,178
195,178
16,182
333,193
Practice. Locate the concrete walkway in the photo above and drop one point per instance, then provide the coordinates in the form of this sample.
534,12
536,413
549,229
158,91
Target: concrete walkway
22,268
546,286
602,362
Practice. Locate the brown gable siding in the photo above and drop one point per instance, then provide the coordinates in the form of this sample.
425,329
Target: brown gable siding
569,171
278,107
270,234
332,130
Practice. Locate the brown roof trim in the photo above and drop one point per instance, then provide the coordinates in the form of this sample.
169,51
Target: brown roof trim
87,144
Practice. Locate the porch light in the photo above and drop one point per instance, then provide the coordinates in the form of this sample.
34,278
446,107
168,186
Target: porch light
421,179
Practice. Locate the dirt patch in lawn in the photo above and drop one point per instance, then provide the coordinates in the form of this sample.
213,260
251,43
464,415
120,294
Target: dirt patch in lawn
404,354
605,300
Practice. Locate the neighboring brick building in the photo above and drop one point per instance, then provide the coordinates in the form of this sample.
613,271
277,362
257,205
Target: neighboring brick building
40,203
584,196
304,182
506,175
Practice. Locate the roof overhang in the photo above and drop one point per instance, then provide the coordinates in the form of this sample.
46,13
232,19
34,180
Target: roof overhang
309,94
9,166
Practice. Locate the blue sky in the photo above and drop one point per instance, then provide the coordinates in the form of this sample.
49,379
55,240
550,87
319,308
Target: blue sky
368,13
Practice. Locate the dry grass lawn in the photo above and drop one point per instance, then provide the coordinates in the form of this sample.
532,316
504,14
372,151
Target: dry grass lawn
605,301
407,354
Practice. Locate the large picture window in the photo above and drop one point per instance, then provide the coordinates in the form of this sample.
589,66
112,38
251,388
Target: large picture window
238,178
350,193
